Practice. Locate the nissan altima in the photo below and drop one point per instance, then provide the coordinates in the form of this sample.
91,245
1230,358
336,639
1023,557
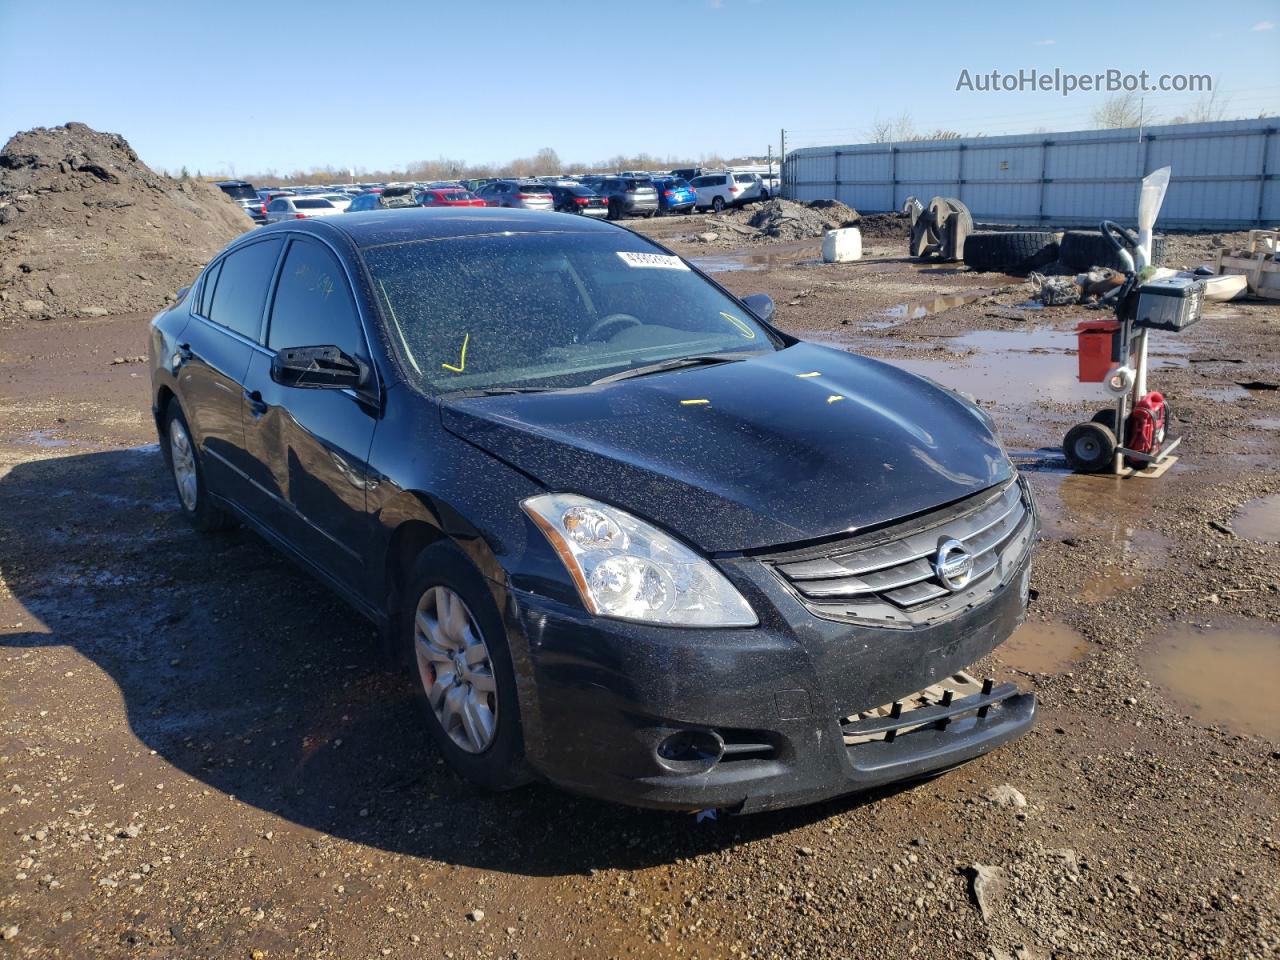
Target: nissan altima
627,535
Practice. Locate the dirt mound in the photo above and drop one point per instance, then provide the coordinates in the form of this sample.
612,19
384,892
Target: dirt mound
88,228
786,220
885,226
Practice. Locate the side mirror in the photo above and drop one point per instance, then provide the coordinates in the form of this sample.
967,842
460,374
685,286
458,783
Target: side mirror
761,304
318,368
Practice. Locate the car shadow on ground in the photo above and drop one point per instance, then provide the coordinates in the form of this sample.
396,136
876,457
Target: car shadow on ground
245,673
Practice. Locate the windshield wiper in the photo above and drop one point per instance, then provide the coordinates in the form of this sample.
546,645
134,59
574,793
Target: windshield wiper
697,360
498,391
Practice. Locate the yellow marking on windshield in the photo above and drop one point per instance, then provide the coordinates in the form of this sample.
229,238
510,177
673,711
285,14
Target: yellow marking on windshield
812,373
462,360
746,331
693,403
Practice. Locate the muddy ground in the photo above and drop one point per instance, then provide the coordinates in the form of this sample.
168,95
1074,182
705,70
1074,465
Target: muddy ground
199,757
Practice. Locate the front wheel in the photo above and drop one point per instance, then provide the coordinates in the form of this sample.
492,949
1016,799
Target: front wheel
464,671
188,474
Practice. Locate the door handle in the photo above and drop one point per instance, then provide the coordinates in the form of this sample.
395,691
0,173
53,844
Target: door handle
257,406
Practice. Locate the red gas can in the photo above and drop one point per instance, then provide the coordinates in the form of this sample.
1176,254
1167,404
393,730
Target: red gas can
1095,339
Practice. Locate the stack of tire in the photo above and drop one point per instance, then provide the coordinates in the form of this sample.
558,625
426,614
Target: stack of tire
1083,250
1010,251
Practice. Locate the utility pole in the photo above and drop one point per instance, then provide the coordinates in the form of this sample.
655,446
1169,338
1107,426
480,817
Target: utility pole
782,161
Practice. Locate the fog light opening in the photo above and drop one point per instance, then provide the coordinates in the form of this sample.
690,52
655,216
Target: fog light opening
690,750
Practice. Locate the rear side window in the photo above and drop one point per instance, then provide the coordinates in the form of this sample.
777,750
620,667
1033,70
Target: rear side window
313,305
206,292
242,287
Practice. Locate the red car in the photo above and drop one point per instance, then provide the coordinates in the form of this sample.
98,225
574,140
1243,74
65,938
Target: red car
449,197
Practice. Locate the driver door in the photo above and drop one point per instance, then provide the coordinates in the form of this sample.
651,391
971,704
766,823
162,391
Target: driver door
314,443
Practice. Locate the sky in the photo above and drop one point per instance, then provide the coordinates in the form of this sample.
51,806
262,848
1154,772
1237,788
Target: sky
249,87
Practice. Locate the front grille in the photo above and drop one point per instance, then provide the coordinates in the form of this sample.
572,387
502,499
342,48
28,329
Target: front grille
888,576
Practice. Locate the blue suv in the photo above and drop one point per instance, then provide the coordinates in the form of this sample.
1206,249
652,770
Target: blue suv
674,195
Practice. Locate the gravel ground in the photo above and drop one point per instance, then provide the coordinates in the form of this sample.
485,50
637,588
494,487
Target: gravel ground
198,757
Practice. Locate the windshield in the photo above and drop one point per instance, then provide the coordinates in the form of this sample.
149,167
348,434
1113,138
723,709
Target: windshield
549,310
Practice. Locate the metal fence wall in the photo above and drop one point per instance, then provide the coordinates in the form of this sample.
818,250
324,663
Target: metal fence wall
1226,175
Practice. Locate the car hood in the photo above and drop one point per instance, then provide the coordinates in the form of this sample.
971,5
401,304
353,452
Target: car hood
789,446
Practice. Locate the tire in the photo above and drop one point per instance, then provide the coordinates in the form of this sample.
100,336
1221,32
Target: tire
1107,418
1089,447
440,570
182,457
1009,251
1084,249
689,210
717,204
615,211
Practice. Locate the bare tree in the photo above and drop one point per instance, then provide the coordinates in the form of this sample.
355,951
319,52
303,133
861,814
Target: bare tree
1121,110
1207,109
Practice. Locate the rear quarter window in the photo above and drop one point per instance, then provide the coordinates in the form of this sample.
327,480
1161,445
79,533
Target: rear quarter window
241,291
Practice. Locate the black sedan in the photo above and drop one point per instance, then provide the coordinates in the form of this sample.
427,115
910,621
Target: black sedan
628,536
576,199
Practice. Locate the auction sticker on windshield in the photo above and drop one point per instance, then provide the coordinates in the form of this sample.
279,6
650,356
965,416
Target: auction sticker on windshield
659,261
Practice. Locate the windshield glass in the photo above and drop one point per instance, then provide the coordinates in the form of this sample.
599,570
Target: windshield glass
549,310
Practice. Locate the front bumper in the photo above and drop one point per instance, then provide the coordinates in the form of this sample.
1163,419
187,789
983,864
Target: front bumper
598,697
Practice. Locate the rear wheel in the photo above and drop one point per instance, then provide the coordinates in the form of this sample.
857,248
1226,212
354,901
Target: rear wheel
717,204
1089,447
615,210
464,671
188,474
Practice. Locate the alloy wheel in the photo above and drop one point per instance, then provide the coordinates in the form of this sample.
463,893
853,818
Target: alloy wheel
183,458
456,669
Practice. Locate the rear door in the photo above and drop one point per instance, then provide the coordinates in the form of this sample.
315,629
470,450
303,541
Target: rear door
315,443
218,345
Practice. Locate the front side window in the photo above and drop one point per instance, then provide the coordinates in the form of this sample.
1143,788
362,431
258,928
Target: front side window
313,305
241,291
549,310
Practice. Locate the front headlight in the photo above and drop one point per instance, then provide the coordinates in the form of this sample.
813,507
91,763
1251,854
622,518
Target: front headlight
626,569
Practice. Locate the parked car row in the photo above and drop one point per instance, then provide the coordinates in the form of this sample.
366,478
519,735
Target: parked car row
632,193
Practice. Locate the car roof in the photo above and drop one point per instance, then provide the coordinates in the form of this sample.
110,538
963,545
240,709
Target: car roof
378,227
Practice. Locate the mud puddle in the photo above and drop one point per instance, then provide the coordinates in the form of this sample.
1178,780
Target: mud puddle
1098,516
1016,367
778,255
1258,520
1222,675
1042,648
919,309
46,439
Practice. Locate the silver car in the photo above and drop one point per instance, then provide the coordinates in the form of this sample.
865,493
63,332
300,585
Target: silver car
629,196
526,194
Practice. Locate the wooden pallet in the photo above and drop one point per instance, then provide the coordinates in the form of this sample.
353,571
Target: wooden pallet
1256,263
